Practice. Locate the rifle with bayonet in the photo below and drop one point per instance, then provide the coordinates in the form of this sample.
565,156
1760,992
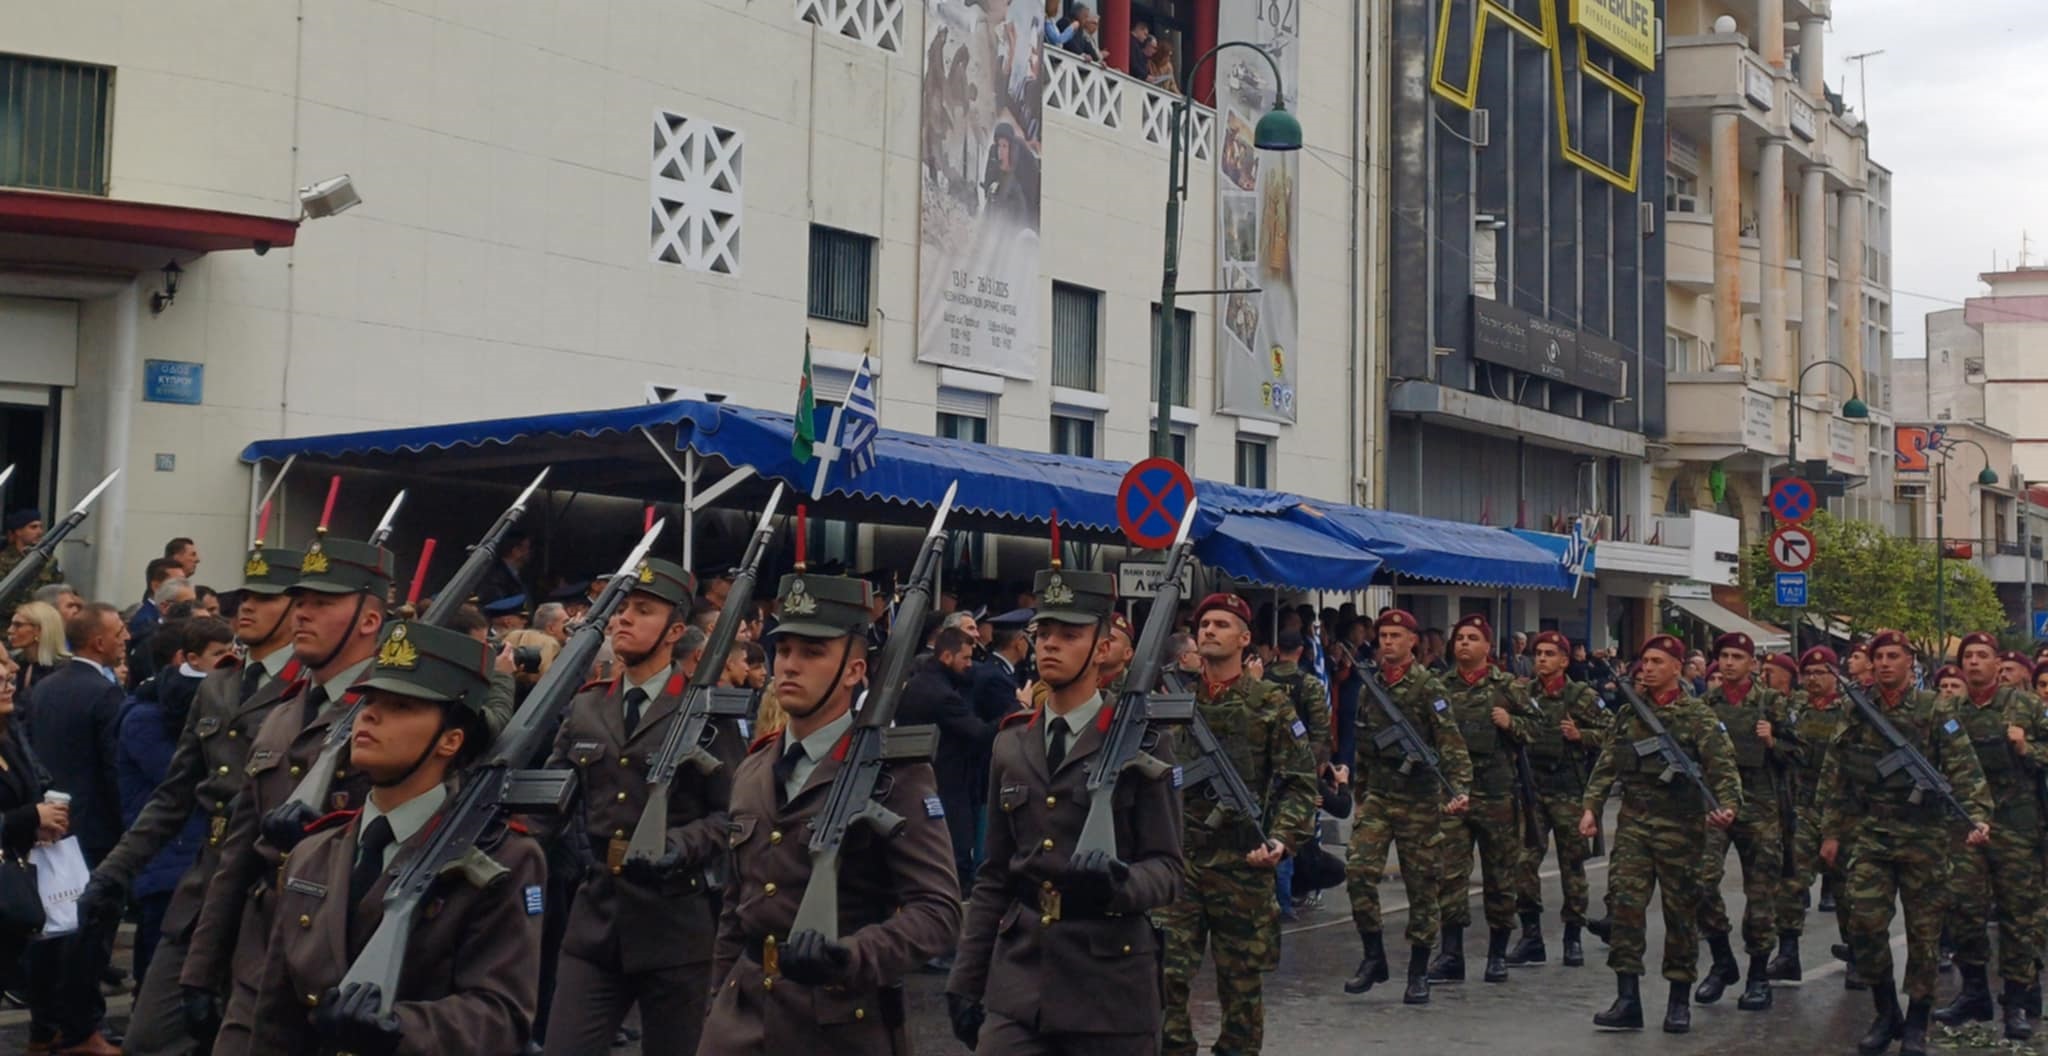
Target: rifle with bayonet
1660,743
872,743
703,701
1399,732
39,555
1903,756
494,788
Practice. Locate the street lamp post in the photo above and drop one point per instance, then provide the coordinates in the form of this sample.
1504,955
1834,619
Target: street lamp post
1985,477
1854,409
1277,130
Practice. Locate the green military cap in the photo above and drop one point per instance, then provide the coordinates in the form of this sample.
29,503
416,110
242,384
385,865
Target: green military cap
823,606
1074,597
271,570
666,580
431,663
346,566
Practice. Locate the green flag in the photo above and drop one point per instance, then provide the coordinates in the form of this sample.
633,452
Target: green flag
806,431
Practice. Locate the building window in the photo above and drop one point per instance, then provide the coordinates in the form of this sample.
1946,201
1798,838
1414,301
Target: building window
53,125
1682,353
1681,193
963,427
697,199
1254,462
1182,435
965,415
1076,337
840,261
1073,435
1183,356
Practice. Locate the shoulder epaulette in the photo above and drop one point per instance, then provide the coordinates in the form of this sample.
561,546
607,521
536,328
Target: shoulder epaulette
763,741
1014,718
596,683
295,687
328,821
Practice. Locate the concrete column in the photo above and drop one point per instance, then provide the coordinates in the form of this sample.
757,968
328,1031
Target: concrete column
1852,286
110,514
1771,239
1812,31
1726,152
1770,32
1813,266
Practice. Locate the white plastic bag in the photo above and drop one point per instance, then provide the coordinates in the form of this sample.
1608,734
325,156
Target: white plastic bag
61,876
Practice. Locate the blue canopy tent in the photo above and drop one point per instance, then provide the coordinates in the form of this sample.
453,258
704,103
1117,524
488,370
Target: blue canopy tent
1446,551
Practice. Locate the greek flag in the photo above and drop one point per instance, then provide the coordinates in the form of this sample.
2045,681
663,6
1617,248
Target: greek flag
1318,664
860,424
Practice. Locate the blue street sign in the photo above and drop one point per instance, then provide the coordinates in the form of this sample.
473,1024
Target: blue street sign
2041,625
1791,590
170,381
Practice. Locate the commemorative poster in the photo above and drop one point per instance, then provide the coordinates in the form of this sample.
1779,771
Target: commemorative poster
1257,202
978,209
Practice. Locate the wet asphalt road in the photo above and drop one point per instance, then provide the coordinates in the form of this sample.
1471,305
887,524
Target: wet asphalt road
1545,1009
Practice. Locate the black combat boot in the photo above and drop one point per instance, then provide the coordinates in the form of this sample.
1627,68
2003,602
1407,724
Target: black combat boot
1529,948
1972,1002
1784,967
1756,986
1496,955
1372,969
1840,951
2017,1026
1418,977
1574,952
1602,928
1913,1040
1722,974
1626,1013
1449,966
1888,1025
1678,1013
1827,898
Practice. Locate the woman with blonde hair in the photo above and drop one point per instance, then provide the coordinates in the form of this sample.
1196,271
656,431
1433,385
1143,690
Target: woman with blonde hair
35,638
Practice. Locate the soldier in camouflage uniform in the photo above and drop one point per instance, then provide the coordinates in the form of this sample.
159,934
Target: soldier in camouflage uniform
24,529
1495,717
1817,714
1758,725
1902,847
1401,803
1661,833
1311,699
2015,670
2010,732
1226,902
1781,674
1569,722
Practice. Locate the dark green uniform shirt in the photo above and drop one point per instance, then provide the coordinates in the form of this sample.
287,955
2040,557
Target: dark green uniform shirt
1561,765
1854,795
1758,765
1491,748
2008,771
1311,701
1420,697
1255,722
1816,722
1641,777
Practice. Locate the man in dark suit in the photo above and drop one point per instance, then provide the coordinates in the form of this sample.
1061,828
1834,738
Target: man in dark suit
935,695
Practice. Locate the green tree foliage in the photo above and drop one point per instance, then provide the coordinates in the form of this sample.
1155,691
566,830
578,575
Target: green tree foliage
1869,580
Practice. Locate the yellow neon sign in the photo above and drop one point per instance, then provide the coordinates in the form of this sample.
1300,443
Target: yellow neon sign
1547,37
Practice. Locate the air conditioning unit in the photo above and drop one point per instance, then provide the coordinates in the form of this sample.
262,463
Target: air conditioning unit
1482,127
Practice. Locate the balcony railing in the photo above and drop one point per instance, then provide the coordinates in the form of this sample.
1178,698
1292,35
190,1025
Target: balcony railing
1099,95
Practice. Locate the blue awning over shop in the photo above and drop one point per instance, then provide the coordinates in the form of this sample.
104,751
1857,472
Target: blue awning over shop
1278,552
1447,551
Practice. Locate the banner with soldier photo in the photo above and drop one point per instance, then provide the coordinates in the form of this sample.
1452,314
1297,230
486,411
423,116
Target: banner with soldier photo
983,105
1257,199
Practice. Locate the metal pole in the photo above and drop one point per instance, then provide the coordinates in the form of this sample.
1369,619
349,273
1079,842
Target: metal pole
1162,425
1940,552
2027,556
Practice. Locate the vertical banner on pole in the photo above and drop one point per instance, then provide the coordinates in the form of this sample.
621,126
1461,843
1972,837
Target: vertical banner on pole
1257,201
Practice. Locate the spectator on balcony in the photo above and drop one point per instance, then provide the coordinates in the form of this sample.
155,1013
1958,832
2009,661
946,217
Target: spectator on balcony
1080,32
1141,47
1159,69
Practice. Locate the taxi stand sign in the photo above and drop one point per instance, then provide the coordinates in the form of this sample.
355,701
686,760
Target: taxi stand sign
1791,590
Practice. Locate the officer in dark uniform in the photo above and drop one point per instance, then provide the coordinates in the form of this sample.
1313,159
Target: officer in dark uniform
337,611
473,956
899,900
203,776
1057,945
639,932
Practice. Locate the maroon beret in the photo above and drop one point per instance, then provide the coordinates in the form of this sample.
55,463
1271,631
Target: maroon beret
1477,621
1982,638
1401,618
1861,647
1785,661
2014,656
2041,668
1555,638
1227,602
1121,624
1948,671
1737,641
1666,644
1819,655
1888,637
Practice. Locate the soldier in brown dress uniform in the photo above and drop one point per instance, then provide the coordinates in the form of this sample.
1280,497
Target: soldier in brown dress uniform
1058,955
472,962
337,611
899,902
640,932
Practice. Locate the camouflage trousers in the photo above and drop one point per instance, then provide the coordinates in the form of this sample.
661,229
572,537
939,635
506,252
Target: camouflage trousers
1806,867
2002,880
1561,825
1655,852
1229,911
1756,835
1490,827
1907,864
1414,825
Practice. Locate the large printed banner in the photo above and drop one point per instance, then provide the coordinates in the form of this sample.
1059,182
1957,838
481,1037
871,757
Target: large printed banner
984,86
1257,199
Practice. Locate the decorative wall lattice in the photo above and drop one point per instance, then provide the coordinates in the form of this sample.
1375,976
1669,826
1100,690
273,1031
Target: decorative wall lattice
876,23
1155,114
696,193
1084,90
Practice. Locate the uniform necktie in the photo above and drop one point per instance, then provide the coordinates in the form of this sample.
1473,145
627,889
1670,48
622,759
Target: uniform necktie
785,768
315,700
252,678
635,698
369,859
1056,753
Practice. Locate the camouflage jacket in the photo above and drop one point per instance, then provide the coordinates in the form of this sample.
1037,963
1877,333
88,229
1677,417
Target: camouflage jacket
1268,745
1816,724
1759,765
50,573
1311,701
2010,773
1853,794
1420,697
1698,733
1561,764
1491,749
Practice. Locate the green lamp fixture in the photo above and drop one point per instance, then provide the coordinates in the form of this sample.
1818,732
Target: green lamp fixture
1278,130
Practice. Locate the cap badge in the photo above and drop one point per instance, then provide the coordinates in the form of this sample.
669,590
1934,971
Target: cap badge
645,573
316,559
1057,594
397,652
255,567
799,601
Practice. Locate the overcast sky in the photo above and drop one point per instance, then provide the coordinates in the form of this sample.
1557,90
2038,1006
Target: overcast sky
1958,110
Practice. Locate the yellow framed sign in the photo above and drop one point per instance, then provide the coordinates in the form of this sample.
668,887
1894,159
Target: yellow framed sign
1627,26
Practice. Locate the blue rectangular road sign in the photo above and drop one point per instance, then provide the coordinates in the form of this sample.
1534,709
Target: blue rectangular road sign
1791,590
2041,625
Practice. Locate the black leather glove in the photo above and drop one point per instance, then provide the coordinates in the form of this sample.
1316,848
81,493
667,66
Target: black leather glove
350,1020
814,960
202,1015
967,1016
101,904
286,824
1092,879
652,872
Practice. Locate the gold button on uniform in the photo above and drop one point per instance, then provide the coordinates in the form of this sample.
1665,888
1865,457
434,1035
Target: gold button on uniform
860,1013
223,769
768,888
1047,844
1052,801
296,769
1045,885
622,797
1045,921
625,760
305,921
1127,949
775,837
618,834
233,734
312,1000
